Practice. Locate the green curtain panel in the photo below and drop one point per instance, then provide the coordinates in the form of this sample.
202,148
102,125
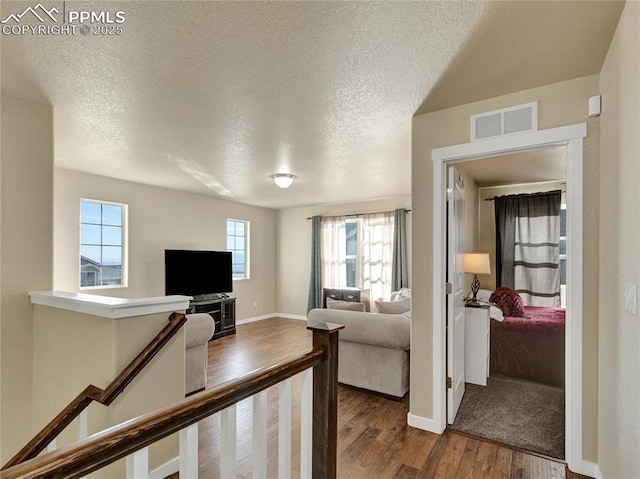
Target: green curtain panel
400,275
315,281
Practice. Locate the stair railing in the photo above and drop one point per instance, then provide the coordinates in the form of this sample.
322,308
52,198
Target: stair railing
318,455
91,393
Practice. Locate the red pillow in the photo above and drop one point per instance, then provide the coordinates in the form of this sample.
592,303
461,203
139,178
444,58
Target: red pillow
509,302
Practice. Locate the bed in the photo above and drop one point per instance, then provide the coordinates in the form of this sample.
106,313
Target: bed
530,347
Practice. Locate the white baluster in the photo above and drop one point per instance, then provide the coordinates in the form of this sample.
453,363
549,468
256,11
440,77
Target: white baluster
83,425
51,446
284,429
306,423
138,464
228,443
189,452
260,435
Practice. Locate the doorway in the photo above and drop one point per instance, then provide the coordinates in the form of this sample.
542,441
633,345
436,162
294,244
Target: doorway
521,403
572,138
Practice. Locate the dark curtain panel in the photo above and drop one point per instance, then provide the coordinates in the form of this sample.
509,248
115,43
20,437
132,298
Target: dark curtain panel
528,246
400,275
506,208
315,281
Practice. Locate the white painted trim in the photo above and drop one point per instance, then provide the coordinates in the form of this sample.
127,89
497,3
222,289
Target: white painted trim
591,469
259,435
571,136
167,469
137,464
573,322
228,442
291,316
423,423
189,451
285,402
306,423
269,316
107,306
508,144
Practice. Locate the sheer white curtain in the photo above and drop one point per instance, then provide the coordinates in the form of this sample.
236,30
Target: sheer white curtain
377,255
333,252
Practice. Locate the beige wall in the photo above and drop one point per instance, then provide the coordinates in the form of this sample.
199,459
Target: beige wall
294,246
161,218
25,254
73,350
558,104
619,341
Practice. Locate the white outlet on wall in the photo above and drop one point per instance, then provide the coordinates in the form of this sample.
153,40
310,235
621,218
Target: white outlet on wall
630,298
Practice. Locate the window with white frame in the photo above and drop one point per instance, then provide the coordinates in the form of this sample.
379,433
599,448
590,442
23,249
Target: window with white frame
358,252
238,244
102,244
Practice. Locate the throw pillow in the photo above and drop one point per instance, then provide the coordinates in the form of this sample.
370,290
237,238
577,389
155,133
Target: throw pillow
393,307
344,305
402,293
509,302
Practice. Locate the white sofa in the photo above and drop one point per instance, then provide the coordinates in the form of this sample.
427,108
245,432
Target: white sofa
373,350
199,328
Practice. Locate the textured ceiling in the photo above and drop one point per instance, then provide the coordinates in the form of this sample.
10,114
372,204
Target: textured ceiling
215,97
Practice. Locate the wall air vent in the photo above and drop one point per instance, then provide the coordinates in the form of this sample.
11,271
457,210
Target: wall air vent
515,119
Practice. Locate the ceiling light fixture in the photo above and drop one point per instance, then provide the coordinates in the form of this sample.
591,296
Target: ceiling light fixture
283,180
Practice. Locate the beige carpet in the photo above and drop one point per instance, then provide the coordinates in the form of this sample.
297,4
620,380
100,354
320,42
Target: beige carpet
513,411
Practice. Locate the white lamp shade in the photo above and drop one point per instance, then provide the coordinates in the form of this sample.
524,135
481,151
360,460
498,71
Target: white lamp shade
477,263
283,180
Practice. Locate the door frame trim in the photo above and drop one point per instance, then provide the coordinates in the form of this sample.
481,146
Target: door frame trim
570,136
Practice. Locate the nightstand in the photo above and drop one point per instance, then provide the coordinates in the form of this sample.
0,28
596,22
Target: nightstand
477,337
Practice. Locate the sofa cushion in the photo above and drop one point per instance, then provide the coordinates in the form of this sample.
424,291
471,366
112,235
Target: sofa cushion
393,307
344,305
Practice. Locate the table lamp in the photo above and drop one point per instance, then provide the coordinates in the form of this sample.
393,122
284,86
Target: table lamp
476,263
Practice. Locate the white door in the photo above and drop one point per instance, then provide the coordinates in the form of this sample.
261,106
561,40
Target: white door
455,298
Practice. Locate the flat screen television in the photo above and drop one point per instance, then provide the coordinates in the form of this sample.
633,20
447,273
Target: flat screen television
197,273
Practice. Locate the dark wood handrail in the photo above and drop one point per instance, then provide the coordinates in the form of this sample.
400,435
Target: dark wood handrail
93,393
106,447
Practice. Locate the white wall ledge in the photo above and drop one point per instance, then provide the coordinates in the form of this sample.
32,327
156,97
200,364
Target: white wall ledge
107,306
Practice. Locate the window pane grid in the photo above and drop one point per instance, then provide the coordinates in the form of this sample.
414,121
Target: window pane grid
101,240
237,243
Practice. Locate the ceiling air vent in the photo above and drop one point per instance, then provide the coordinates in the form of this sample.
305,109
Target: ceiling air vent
515,119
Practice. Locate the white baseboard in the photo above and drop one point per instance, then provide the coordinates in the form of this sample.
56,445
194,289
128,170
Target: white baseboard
424,423
272,315
168,468
290,316
591,469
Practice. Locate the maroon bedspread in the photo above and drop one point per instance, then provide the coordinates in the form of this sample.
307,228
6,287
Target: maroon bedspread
530,348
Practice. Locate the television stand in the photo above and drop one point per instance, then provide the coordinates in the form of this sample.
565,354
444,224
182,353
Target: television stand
221,308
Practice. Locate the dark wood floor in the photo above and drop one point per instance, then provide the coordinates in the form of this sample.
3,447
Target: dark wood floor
373,437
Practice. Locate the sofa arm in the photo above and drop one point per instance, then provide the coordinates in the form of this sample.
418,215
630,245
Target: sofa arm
377,329
199,329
